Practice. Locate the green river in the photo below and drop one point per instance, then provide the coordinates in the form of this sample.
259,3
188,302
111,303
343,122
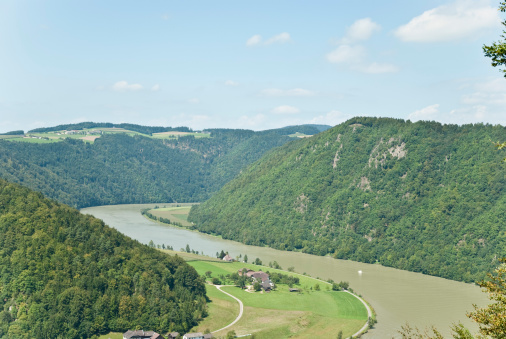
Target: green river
397,296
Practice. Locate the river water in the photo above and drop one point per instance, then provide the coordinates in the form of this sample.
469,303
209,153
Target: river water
397,296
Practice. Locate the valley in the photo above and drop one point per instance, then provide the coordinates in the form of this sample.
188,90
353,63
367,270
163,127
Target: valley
397,296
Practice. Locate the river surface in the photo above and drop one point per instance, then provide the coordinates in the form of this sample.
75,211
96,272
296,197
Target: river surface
397,296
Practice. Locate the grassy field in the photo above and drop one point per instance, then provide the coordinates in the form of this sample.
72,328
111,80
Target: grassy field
174,214
88,135
280,313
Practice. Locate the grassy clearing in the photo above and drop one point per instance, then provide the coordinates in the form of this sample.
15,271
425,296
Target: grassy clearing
222,310
89,135
280,313
112,335
174,214
191,256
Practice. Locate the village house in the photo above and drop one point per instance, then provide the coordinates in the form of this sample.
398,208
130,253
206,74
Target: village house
197,335
228,258
172,335
261,277
141,334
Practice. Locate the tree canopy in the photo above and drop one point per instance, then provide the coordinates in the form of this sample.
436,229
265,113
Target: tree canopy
497,51
67,275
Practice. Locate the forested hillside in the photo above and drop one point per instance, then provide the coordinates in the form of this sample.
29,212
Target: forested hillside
67,275
118,168
422,196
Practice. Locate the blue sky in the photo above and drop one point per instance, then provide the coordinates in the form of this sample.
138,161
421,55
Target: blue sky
247,64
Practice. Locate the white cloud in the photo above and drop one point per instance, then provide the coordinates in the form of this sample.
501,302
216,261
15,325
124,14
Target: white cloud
254,40
251,122
332,118
377,68
165,17
426,113
155,88
355,58
123,86
194,101
346,54
295,92
360,30
285,109
492,92
457,20
277,39
280,38
231,83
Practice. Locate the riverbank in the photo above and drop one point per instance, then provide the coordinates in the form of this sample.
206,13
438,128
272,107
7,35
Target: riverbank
397,296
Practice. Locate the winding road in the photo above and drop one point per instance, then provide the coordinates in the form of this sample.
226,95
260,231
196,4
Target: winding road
369,314
241,308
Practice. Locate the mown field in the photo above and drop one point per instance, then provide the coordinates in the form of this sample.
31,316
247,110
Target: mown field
174,214
89,135
314,311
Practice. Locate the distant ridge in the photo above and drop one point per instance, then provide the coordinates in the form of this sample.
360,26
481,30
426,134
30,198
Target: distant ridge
422,196
132,127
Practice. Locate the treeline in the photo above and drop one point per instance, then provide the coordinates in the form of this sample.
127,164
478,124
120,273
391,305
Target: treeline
149,130
18,132
67,275
160,219
119,169
422,196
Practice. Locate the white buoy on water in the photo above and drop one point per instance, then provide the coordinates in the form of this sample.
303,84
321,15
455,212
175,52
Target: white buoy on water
359,272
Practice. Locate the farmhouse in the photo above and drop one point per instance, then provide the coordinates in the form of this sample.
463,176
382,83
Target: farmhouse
228,258
141,334
261,277
197,335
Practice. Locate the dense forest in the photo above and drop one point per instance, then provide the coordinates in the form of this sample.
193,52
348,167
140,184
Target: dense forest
422,196
118,168
67,275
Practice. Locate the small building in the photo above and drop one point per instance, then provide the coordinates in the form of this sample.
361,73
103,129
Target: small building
228,258
172,335
294,290
246,270
196,335
141,334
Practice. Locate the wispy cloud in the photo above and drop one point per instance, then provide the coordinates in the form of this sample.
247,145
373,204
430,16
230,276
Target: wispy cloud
231,83
285,109
458,20
194,101
295,92
426,113
155,88
360,30
277,39
254,40
280,38
354,55
332,118
123,86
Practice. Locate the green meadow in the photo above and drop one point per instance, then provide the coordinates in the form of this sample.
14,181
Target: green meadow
314,311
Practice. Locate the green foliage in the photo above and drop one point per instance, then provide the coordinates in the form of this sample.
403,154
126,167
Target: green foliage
67,275
119,169
17,132
497,51
422,196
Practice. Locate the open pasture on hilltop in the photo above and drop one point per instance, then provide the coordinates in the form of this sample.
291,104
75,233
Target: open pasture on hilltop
314,311
177,134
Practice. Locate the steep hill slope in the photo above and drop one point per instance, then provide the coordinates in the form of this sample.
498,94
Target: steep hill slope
118,168
418,196
67,275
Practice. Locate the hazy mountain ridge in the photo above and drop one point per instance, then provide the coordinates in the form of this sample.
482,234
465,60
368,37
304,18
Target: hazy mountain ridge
118,168
67,275
419,196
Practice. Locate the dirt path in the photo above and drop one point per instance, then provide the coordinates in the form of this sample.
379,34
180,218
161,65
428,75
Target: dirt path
241,308
369,314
